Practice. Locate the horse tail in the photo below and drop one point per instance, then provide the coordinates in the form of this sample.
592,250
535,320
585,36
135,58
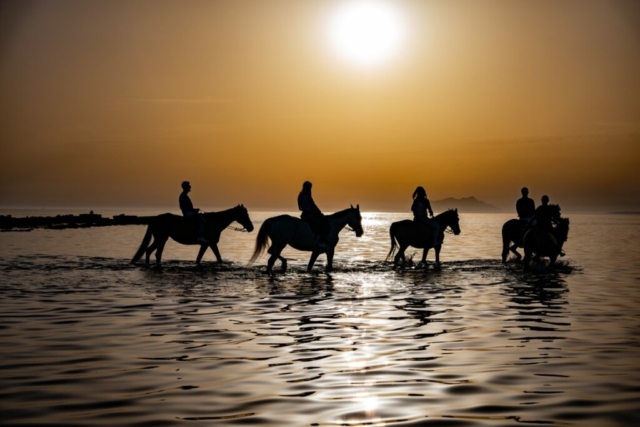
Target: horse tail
262,240
393,242
143,246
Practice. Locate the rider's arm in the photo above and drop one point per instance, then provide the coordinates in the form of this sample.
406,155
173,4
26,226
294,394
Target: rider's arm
429,208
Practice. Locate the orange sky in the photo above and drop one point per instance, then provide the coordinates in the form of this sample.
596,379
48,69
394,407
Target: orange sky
114,103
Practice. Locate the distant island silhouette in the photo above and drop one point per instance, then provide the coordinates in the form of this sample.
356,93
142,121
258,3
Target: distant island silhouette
465,205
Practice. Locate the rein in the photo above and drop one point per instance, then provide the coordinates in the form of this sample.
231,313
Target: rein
244,230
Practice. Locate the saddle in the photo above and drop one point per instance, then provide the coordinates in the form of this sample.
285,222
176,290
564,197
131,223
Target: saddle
191,223
318,224
424,231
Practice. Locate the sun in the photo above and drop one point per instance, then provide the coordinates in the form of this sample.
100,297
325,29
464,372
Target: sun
366,32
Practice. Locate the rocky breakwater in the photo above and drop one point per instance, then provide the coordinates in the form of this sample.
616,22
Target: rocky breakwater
60,222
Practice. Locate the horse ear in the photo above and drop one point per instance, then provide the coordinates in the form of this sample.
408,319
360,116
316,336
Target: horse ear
358,206
352,206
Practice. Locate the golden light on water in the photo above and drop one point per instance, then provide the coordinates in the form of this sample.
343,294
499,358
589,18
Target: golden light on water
367,32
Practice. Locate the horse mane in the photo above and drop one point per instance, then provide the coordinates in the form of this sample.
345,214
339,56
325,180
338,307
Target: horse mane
448,211
339,213
226,211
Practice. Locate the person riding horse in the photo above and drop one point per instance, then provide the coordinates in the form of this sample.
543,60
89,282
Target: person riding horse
545,218
545,215
312,215
525,206
191,213
420,207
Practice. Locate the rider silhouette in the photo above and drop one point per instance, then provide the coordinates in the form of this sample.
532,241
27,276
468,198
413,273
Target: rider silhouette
191,213
525,206
544,216
311,214
420,207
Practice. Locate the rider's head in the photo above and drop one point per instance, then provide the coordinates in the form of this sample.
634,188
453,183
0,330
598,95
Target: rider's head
186,186
306,186
419,192
524,191
545,199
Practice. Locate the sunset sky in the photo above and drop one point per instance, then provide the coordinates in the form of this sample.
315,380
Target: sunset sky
115,103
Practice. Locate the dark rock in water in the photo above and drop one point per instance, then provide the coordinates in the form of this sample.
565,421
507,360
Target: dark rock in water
123,219
61,222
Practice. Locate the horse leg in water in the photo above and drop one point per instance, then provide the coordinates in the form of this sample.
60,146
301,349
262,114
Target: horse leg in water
400,255
203,249
437,249
425,252
514,249
312,260
275,254
330,253
152,247
505,248
216,252
283,261
161,244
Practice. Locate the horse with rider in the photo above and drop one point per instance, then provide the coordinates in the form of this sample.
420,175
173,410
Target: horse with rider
313,232
193,228
540,231
425,231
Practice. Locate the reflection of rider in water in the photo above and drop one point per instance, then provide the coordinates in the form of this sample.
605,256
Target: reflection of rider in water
525,206
420,207
190,212
311,214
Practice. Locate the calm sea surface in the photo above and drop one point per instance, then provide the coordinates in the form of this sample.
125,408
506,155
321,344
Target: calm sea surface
88,339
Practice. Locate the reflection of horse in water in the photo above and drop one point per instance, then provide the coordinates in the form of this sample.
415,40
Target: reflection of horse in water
539,242
183,230
409,233
513,232
286,230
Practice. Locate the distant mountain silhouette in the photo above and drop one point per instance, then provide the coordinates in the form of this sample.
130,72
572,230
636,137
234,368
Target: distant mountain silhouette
464,205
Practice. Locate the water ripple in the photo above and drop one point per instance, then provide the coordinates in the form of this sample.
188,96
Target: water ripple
96,341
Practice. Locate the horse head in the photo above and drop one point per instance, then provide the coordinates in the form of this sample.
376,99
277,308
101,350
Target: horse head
450,219
241,216
355,220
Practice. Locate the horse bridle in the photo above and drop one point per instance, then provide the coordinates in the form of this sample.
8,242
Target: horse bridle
244,230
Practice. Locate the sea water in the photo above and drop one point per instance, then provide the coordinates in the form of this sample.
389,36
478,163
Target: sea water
88,339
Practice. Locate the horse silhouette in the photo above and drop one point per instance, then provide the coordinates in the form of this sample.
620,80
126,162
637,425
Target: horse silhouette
539,242
286,230
183,230
513,232
409,233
